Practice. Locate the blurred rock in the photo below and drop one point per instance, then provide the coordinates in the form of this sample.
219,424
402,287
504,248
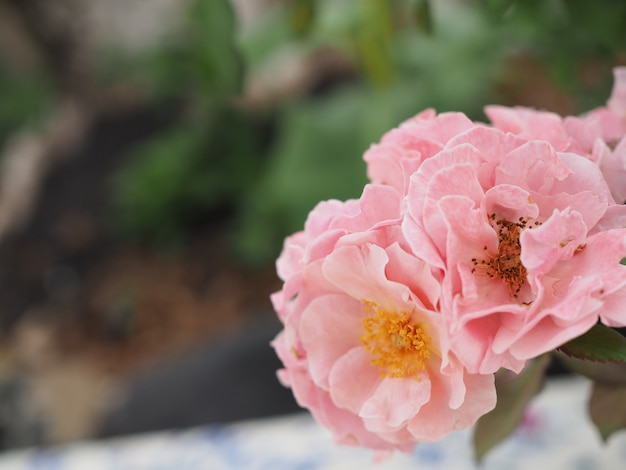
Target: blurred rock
21,420
45,397
228,380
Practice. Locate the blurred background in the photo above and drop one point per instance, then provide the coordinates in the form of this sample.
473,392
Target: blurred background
154,154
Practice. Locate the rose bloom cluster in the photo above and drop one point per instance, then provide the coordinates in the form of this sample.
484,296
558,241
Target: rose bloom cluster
475,247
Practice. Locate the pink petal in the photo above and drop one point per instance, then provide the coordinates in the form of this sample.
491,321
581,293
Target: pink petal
360,272
585,130
439,128
613,218
510,202
473,345
526,122
435,419
534,166
491,143
585,176
415,274
613,166
551,325
457,179
557,238
617,101
379,205
383,165
468,233
323,214
290,258
330,327
420,242
394,402
353,379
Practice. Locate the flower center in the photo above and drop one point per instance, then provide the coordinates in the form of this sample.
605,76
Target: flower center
506,264
400,348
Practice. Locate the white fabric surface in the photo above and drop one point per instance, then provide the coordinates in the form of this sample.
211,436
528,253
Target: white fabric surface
556,434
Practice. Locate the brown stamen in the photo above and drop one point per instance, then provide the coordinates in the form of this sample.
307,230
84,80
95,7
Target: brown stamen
506,264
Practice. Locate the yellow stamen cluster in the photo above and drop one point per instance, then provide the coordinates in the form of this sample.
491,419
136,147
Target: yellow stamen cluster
400,348
506,264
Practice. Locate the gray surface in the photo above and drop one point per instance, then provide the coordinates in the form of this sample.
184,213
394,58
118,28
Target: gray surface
228,380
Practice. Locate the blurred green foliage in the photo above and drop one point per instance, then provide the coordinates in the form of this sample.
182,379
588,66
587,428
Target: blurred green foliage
200,63
565,36
268,169
408,54
24,100
178,178
209,155
320,139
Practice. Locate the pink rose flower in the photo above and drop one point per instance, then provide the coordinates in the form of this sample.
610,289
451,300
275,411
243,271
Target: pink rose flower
598,135
363,345
475,248
402,150
523,240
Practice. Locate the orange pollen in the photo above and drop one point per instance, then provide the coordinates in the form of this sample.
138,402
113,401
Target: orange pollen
506,264
400,348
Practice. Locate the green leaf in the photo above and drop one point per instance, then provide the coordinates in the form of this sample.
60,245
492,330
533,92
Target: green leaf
514,394
25,99
301,15
607,408
148,190
374,41
498,7
423,16
183,174
599,344
612,373
604,21
215,58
